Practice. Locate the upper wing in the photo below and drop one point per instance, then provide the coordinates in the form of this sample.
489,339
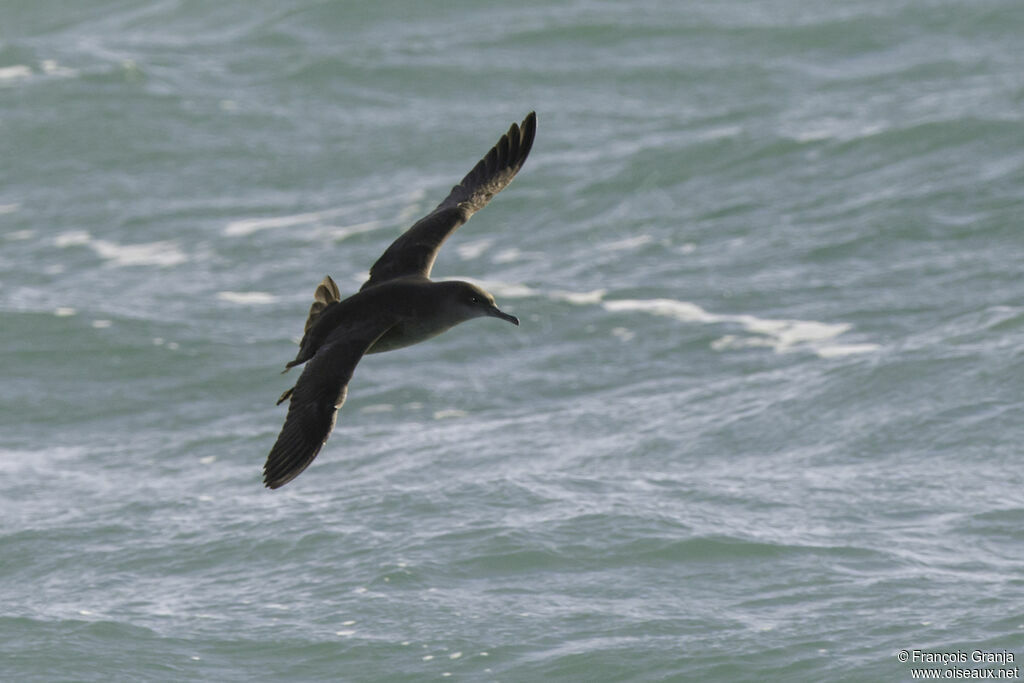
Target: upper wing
314,404
414,252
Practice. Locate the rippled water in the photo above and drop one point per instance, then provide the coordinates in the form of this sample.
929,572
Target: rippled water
761,420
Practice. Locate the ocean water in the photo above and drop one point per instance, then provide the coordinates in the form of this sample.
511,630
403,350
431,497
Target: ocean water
762,420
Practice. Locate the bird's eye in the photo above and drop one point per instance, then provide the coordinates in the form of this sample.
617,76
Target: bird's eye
474,300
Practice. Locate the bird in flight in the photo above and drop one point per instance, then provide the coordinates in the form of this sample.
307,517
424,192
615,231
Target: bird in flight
399,305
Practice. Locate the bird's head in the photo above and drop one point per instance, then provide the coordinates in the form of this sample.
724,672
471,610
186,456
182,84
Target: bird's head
466,301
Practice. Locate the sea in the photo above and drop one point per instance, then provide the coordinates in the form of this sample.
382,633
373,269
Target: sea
762,420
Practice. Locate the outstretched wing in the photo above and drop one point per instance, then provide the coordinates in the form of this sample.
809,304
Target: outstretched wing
314,404
414,252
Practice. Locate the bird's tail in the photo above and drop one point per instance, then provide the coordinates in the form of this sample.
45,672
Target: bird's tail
326,294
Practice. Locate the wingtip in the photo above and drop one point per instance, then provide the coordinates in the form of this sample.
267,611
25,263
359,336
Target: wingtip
274,483
530,122
274,477
528,129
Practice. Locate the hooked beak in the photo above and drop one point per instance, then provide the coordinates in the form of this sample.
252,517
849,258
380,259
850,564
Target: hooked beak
496,312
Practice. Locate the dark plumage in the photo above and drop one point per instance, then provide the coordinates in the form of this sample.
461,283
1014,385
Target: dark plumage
396,307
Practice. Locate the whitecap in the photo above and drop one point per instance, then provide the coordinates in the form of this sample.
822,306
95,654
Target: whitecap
247,226
449,413
780,335
474,249
72,238
251,298
15,73
163,253
623,333
52,68
346,231
507,255
684,311
838,350
627,243
9,208
579,298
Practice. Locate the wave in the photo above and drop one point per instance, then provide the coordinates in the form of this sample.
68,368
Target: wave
780,335
20,73
248,226
248,298
162,253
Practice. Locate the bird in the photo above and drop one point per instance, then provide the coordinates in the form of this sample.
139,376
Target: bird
398,306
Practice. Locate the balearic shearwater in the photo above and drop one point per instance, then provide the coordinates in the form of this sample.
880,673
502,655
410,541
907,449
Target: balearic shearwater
399,305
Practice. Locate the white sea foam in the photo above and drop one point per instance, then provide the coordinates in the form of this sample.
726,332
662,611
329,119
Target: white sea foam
23,72
474,249
623,333
251,298
779,335
163,253
347,231
579,298
9,208
449,413
248,226
627,243
73,238
507,255
15,73
52,68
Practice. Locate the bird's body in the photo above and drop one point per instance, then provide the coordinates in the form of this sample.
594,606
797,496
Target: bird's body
398,306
